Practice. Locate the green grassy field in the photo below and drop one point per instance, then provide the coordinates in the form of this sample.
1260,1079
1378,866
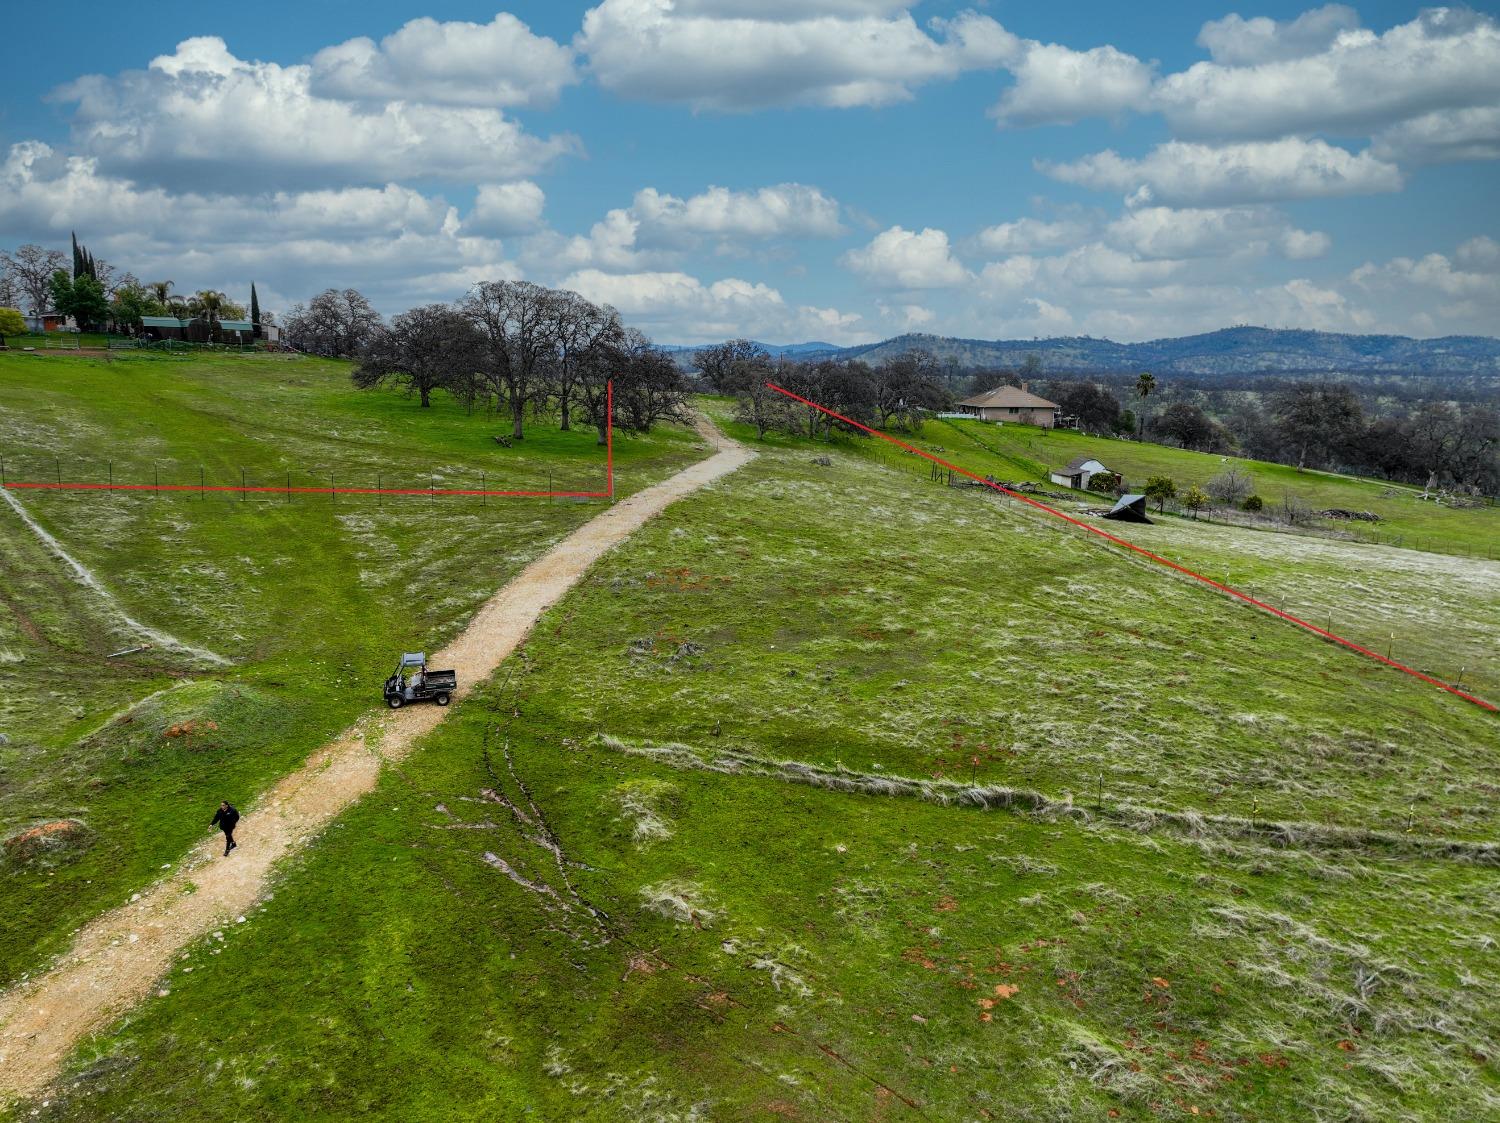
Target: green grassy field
877,799
1024,452
309,600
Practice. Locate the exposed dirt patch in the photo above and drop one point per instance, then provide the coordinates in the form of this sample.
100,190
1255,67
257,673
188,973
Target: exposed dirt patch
46,841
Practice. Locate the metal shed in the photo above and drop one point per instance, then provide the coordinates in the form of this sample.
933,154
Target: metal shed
1130,509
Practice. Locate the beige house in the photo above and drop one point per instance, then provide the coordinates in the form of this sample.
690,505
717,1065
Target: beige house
1012,403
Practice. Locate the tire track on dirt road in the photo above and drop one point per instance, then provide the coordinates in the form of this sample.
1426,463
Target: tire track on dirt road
117,957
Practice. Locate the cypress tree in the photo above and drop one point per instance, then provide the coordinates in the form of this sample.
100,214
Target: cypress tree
78,270
254,312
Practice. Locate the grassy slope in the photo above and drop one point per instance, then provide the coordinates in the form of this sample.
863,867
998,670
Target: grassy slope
310,598
848,948
1016,452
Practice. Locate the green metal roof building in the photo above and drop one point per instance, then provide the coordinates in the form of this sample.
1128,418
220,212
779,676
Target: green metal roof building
222,331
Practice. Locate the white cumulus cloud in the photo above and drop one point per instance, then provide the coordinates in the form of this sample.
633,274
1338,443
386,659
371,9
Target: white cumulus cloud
202,118
1027,235
1481,254
455,63
1058,85
657,227
1166,232
506,208
392,242
784,210
1436,138
1180,173
1236,41
678,307
1447,59
908,259
733,56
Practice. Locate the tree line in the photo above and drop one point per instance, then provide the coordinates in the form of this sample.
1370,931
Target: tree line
509,347
890,394
1312,424
100,296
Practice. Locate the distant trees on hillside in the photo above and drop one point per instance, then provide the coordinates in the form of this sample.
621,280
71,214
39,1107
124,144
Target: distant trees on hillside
98,295
1324,425
1321,419
1097,410
1190,427
888,394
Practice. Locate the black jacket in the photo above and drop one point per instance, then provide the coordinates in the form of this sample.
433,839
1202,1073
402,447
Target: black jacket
225,818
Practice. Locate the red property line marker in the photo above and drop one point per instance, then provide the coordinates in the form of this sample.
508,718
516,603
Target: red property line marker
281,489
1131,546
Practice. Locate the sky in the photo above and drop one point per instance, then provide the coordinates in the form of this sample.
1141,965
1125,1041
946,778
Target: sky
785,170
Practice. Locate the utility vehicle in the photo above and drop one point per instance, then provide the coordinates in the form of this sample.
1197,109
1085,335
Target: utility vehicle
413,682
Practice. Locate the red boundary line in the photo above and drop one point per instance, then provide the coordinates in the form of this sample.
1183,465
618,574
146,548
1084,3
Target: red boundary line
1233,592
277,489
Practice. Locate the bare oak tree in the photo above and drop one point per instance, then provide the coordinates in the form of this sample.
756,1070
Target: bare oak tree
904,386
428,348
333,323
31,268
585,333
516,323
729,367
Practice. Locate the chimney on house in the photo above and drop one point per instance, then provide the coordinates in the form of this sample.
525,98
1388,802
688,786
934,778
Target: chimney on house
1025,386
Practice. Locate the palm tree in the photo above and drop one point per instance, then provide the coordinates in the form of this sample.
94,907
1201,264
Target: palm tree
161,290
207,303
1145,383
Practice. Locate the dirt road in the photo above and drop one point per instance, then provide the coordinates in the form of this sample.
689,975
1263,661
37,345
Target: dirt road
116,958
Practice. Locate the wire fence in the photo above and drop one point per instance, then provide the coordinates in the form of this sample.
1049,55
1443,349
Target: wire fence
375,485
1430,656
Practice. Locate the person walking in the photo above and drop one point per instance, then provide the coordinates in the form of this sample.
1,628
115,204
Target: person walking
225,818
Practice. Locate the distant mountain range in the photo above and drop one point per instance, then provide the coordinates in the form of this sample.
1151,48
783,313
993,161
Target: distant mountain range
775,350
1239,350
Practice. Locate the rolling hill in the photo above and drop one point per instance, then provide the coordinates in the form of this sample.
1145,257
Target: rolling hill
1230,351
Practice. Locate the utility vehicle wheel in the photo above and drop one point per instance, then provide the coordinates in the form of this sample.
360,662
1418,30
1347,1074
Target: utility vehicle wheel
395,701
441,699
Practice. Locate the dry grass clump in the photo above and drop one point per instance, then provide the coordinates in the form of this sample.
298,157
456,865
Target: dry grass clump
681,902
643,804
1193,824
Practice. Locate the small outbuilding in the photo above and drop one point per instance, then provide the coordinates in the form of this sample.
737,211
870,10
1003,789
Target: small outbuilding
44,321
1078,473
1130,509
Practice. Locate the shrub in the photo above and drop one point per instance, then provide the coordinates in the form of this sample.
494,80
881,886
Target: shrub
1107,482
1195,500
1231,487
1252,503
1294,510
1161,488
